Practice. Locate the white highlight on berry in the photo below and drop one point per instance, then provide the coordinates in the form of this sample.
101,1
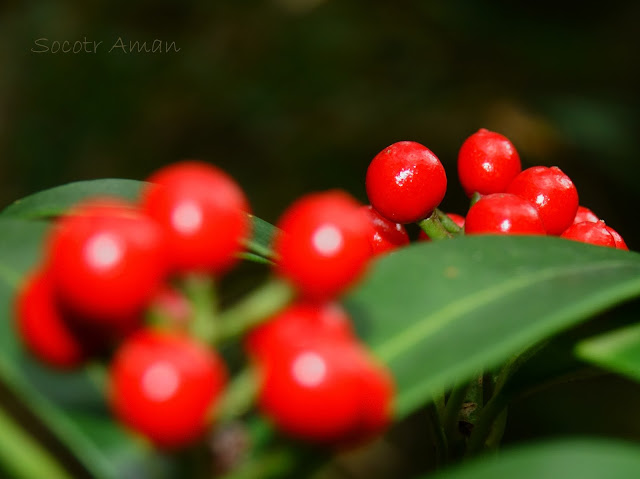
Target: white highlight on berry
327,240
403,176
505,225
160,381
103,251
187,217
309,369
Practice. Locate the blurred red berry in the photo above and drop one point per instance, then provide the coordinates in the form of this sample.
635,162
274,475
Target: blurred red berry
106,260
42,327
553,194
164,385
297,324
323,243
203,212
503,213
487,163
405,182
326,391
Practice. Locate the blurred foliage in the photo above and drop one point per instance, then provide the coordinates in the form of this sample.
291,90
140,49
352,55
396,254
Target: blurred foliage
297,95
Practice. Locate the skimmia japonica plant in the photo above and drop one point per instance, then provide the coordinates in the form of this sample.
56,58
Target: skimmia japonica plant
119,346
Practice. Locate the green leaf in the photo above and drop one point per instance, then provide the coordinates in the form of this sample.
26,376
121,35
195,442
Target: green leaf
566,459
262,236
437,313
55,201
618,351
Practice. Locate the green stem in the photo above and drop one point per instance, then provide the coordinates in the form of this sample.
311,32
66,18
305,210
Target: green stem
474,198
253,309
452,410
440,441
23,456
487,430
483,428
238,397
448,223
255,258
434,228
201,292
258,249
497,431
273,463
439,403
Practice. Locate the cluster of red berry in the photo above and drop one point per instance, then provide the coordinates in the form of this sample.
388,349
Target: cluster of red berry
406,182
106,262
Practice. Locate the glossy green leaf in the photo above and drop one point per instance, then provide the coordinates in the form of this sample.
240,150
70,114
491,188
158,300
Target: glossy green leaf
55,201
437,313
566,459
618,351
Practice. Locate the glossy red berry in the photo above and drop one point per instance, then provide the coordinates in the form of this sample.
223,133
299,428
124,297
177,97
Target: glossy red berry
106,260
589,232
325,391
42,326
323,243
456,218
299,323
585,214
164,385
203,213
617,238
405,182
487,163
503,213
387,235
553,194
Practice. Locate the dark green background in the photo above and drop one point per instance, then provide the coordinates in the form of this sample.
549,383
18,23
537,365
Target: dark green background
291,96
297,95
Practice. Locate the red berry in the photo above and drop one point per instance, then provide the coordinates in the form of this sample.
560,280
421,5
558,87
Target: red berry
298,323
620,243
323,243
405,182
204,215
487,163
376,394
164,386
592,233
42,327
553,194
387,235
503,213
107,260
326,391
585,214
308,392
456,218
